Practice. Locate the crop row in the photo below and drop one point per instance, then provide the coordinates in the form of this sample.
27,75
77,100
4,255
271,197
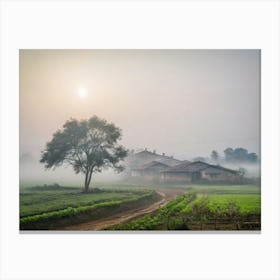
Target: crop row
50,218
192,211
41,203
161,217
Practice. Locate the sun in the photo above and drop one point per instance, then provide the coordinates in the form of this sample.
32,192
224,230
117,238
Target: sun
82,92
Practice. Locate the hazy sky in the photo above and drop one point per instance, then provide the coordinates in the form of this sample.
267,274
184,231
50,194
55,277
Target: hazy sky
181,102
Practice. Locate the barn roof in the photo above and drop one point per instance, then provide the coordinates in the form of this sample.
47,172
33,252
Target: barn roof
138,159
187,167
145,153
151,164
191,167
169,161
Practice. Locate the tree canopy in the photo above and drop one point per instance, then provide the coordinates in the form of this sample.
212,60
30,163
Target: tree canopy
214,155
240,155
87,145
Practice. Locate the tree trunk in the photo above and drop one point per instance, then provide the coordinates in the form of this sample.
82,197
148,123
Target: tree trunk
86,187
86,183
88,179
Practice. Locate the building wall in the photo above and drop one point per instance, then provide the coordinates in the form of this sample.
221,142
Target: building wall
223,176
153,174
150,175
189,177
176,177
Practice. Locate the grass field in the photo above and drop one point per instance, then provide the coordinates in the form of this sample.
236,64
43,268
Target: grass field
248,203
205,207
37,201
227,189
43,204
201,207
247,197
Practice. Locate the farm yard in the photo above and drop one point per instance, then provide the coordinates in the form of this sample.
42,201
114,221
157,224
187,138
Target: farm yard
136,207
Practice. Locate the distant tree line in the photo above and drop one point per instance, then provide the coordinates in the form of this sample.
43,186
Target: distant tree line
240,155
235,155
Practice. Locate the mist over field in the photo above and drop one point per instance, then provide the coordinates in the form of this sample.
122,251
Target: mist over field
184,103
32,172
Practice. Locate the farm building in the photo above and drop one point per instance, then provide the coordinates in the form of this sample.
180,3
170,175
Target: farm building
135,160
199,171
148,165
149,171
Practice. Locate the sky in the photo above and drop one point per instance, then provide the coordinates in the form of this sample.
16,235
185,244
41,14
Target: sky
183,103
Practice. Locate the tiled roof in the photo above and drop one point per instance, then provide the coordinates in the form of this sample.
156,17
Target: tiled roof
188,167
168,161
191,167
151,164
144,157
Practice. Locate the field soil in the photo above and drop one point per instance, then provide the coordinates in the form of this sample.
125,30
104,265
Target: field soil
100,224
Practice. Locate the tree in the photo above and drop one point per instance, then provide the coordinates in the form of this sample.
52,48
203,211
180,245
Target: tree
214,155
242,171
228,154
252,157
88,145
240,154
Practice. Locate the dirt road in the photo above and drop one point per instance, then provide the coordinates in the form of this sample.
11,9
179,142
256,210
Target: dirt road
166,196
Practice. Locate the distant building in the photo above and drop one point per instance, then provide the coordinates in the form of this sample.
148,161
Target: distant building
199,171
149,171
148,165
169,161
135,160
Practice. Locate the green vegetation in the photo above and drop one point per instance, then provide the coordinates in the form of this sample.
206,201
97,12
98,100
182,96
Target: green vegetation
248,203
39,200
227,189
87,145
201,207
205,208
48,206
167,217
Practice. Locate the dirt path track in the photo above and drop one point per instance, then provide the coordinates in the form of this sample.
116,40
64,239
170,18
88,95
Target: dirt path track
166,196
